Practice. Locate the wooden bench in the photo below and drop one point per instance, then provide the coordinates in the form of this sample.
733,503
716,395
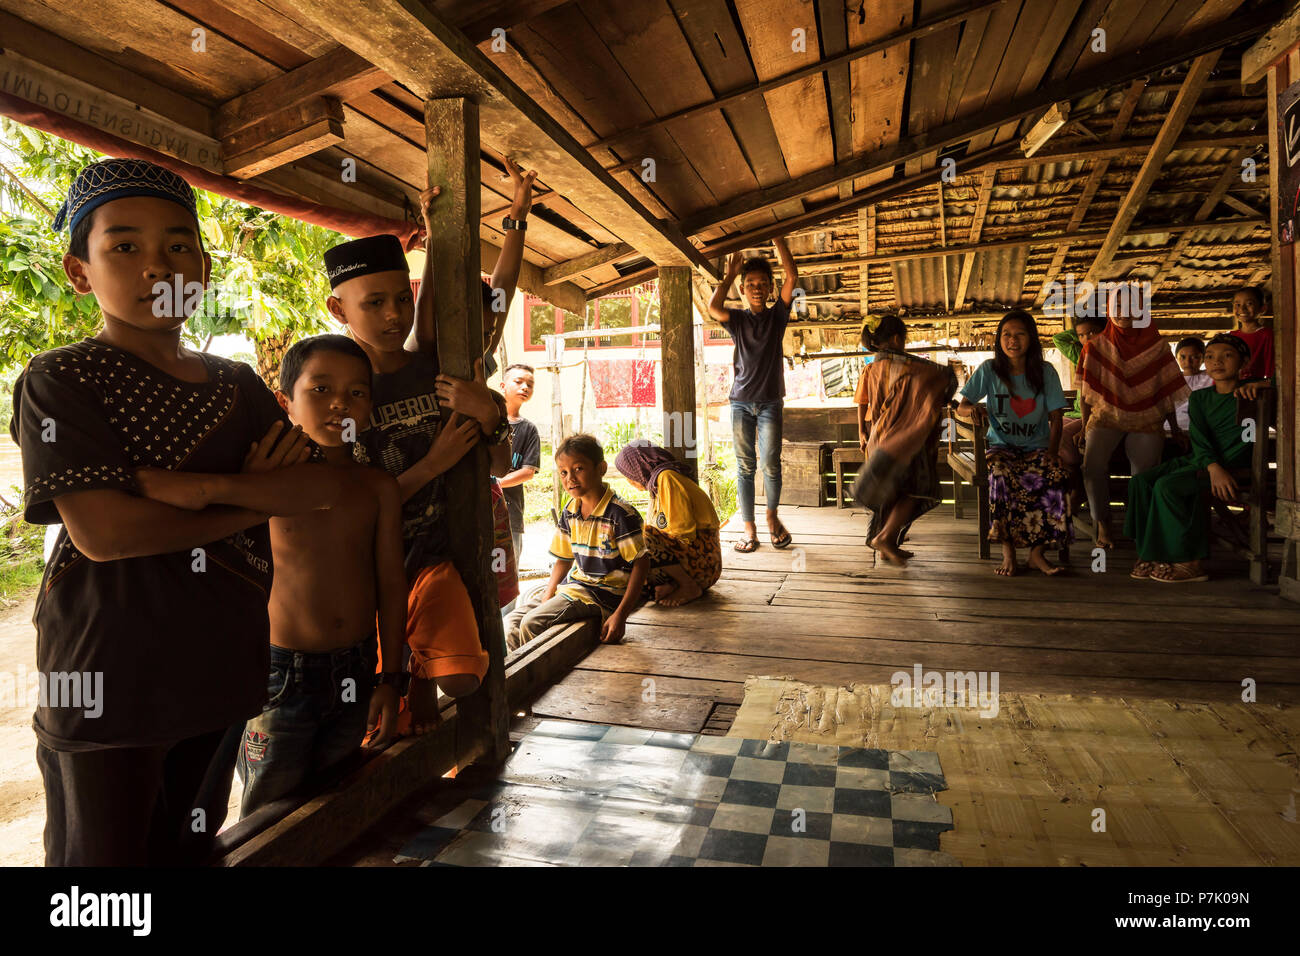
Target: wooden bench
966,444
844,454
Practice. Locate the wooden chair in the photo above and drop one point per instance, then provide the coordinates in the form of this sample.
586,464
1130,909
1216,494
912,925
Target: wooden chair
966,447
1247,534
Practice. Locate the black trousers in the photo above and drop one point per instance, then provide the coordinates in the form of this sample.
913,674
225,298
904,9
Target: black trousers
137,806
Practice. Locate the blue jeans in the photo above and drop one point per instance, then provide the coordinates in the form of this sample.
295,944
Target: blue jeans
311,720
748,421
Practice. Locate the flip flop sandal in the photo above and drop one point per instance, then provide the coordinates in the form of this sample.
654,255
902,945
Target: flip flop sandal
746,545
782,541
1142,570
1177,575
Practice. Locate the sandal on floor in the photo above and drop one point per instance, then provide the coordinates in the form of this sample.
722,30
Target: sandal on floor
1178,574
1142,570
746,545
782,541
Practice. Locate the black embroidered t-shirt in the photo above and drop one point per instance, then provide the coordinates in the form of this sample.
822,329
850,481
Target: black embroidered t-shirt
404,421
525,449
181,640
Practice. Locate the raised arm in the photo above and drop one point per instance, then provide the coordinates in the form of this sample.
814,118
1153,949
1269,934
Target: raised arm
789,268
109,525
506,273
426,330
717,305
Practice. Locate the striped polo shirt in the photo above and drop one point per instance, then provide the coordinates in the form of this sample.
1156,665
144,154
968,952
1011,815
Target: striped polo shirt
602,548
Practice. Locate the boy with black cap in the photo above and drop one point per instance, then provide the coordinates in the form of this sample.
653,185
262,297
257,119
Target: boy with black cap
412,438
151,620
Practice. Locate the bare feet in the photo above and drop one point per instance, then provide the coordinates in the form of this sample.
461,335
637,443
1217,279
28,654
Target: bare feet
883,546
683,593
1104,539
1008,568
1037,559
871,543
662,591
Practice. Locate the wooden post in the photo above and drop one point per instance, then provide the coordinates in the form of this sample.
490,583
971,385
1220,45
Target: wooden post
677,337
452,137
555,352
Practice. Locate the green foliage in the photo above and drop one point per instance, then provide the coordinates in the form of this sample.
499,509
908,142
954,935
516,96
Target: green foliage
21,547
266,269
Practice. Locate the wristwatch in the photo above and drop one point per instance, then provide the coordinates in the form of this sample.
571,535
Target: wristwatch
399,679
508,223
500,433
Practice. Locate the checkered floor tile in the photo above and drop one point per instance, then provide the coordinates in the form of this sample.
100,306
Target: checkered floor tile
590,795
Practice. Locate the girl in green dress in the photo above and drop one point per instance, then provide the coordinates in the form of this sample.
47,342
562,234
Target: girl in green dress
1167,515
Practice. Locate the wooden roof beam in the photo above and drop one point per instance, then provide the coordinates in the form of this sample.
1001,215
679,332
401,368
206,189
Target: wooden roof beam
287,136
977,226
1095,176
1170,130
341,73
434,59
1137,63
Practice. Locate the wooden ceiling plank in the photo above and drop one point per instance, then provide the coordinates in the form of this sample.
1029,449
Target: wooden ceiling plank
339,73
249,34
669,79
430,57
529,79
576,61
1170,130
800,108
920,30
64,56
1040,29
879,84
1105,75
931,79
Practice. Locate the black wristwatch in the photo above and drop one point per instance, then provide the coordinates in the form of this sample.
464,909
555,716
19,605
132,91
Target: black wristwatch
520,224
399,679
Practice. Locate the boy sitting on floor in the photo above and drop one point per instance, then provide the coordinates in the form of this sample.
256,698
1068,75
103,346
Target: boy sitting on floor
163,608
414,437
600,556
1167,516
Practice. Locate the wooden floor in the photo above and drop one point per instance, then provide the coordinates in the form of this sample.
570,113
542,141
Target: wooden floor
825,612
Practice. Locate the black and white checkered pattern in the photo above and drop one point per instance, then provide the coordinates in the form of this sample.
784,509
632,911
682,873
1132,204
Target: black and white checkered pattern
590,795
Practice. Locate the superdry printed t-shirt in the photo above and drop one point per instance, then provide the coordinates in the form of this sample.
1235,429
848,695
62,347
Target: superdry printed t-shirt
1021,419
179,641
404,421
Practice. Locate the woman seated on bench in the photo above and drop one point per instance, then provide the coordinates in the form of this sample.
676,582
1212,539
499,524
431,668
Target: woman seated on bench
900,401
1167,514
1026,478
681,531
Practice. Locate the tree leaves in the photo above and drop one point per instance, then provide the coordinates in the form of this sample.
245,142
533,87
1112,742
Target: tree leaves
267,270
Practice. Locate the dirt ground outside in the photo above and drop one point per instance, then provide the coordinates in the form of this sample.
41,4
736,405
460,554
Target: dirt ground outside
22,798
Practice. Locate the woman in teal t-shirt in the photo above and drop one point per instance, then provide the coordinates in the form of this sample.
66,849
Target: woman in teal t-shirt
1023,409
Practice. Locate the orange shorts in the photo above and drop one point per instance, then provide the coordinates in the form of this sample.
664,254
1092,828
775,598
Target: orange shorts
441,628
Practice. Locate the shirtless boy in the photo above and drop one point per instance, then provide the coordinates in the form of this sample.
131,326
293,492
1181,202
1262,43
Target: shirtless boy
335,570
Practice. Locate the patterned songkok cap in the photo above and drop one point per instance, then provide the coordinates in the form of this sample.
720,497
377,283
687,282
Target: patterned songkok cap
112,179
